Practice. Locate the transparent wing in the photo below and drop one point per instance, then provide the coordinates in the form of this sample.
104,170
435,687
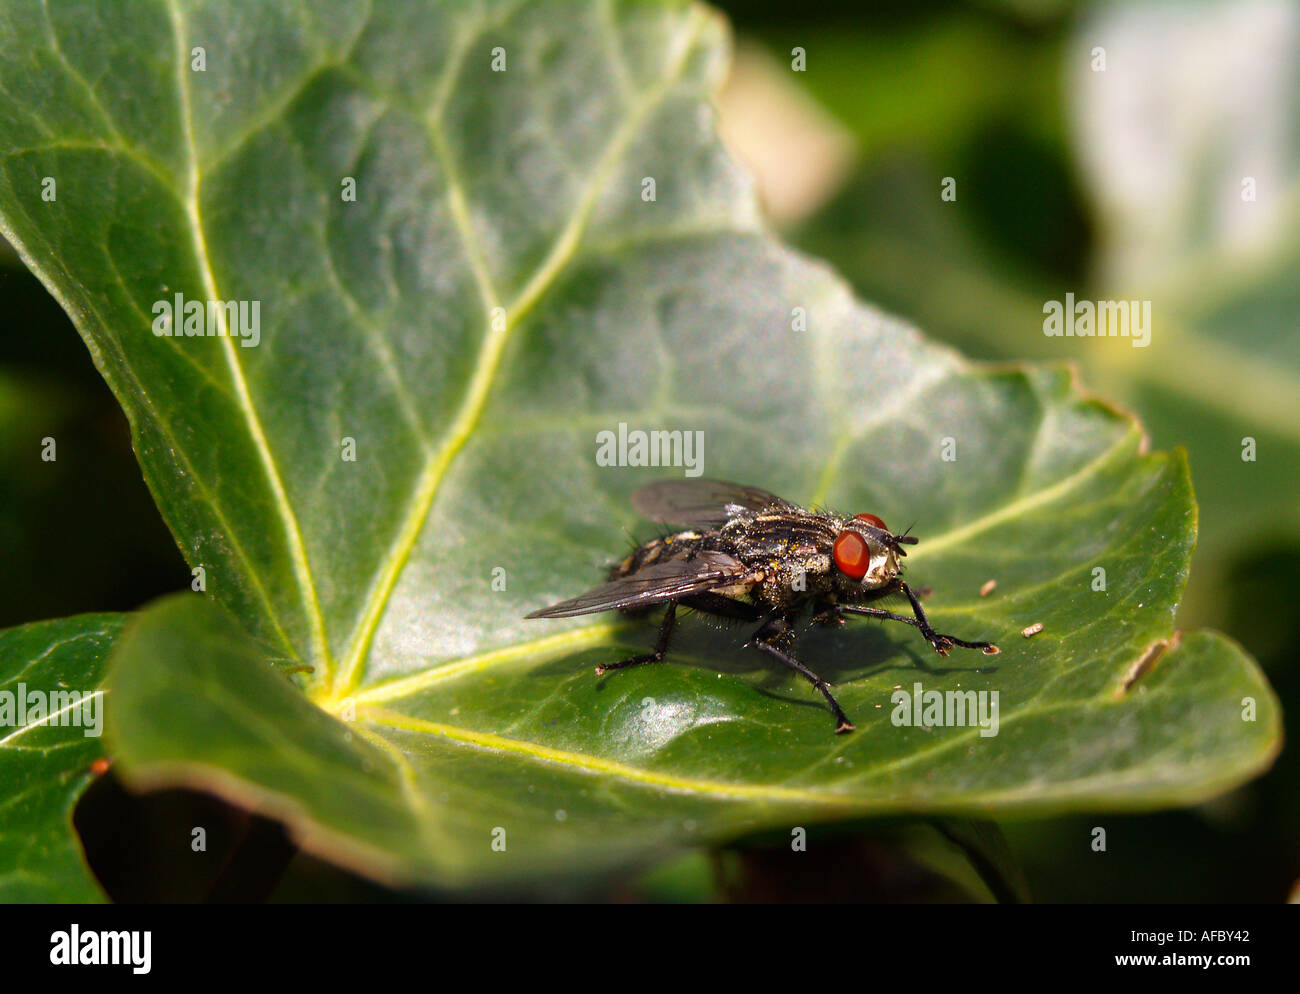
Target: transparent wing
701,503
654,584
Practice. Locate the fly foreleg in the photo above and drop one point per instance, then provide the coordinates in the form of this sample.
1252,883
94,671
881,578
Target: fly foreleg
661,645
942,643
776,638
827,613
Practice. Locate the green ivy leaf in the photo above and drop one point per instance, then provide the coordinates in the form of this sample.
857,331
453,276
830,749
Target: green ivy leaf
501,290
46,756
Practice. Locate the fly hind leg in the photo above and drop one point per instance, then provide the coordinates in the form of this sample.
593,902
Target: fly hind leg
776,638
661,645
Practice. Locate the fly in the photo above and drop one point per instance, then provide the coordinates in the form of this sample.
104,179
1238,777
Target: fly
748,555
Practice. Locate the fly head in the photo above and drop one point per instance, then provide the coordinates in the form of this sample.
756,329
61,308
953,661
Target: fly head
866,555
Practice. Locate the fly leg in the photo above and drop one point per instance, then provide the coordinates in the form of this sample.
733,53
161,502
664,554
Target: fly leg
942,643
661,645
827,613
776,638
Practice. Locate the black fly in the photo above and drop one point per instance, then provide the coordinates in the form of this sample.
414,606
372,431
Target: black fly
752,556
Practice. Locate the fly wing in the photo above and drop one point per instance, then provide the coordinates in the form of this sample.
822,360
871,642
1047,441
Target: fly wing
701,503
654,584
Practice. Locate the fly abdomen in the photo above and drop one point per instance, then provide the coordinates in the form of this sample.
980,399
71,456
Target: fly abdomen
678,545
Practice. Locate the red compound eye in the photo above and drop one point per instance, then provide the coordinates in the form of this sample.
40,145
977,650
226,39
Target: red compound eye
851,554
871,519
